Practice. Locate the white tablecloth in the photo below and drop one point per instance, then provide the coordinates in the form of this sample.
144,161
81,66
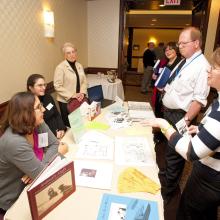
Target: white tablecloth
84,203
110,90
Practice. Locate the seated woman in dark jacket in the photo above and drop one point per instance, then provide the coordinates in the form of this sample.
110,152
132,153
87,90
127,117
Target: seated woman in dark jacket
23,154
36,84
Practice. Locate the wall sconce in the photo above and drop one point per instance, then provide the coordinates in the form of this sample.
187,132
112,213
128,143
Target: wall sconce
48,24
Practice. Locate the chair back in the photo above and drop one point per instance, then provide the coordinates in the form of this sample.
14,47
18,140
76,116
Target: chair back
95,93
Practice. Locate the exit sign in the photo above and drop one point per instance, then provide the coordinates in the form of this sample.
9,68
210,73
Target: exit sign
171,2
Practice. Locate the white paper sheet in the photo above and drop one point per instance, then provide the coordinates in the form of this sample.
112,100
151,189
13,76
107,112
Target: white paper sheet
139,105
138,115
93,174
133,151
96,145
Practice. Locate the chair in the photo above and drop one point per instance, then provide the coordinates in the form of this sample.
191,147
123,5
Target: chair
95,93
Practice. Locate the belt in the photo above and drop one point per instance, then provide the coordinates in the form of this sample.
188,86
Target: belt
165,109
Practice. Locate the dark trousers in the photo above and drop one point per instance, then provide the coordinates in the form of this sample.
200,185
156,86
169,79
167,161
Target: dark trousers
201,196
64,113
174,162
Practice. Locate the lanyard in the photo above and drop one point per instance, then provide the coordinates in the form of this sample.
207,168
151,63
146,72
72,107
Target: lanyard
184,66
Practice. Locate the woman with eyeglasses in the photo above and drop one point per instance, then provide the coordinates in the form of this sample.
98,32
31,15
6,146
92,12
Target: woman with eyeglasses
172,60
201,196
69,80
36,84
26,146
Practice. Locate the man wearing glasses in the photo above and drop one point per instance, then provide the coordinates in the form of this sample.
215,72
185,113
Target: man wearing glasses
184,96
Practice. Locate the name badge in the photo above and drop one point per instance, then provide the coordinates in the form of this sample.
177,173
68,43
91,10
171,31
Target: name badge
43,140
182,127
49,106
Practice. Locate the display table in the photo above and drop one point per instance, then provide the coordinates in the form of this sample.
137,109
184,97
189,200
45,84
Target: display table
110,90
85,202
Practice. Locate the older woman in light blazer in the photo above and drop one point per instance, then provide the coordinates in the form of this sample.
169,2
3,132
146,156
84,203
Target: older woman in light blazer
69,80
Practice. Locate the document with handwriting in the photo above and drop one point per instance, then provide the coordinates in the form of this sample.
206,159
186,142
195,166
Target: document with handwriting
96,145
133,151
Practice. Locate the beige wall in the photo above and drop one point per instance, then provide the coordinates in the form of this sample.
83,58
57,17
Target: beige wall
212,26
25,50
103,31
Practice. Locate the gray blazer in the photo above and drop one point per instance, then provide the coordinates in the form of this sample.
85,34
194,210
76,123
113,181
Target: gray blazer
17,158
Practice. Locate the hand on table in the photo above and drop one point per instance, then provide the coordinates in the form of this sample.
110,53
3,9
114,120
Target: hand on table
155,122
62,148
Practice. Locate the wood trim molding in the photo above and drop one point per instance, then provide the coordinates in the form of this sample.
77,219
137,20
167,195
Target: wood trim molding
49,89
95,70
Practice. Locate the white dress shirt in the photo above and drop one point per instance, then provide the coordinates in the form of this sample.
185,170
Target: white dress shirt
189,85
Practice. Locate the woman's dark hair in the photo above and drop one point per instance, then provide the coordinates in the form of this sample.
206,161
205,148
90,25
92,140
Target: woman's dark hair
19,114
172,45
32,79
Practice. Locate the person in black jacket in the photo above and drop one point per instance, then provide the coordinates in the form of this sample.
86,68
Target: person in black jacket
36,84
148,61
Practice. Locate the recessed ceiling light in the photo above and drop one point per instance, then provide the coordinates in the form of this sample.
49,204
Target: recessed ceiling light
187,24
152,24
154,19
162,5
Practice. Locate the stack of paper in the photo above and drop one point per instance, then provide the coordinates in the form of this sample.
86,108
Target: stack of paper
140,110
139,105
132,180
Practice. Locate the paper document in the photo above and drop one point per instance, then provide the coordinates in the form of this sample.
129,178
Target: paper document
132,180
139,105
93,174
115,207
95,145
138,115
133,151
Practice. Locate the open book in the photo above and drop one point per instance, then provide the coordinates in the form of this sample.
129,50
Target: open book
54,184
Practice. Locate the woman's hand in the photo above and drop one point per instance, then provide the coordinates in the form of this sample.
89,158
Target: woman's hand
193,129
62,148
161,123
60,134
26,179
155,122
79,96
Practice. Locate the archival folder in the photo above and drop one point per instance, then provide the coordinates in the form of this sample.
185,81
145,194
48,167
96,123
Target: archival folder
54,184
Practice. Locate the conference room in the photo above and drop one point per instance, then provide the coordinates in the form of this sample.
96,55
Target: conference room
108,35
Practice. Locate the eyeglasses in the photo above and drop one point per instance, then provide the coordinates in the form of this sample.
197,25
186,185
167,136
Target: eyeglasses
39,107
184,43
71,52
41,85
